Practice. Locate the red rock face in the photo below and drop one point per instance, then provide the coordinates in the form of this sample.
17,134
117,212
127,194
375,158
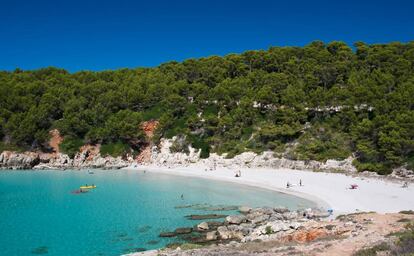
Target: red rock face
149,127
55,140
306,235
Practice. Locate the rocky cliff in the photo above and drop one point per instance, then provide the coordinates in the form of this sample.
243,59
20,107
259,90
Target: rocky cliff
163,156
88,157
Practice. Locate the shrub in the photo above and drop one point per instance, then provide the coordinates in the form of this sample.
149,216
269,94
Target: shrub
269,230
10,147
115,149
373,250
71,146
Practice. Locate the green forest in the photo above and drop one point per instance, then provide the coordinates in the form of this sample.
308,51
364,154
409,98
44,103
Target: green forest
317,102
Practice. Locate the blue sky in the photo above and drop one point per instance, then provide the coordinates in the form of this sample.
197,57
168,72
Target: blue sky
100,35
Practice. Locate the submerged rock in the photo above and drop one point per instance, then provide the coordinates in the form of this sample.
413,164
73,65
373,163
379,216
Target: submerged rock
144,229
180,231
167,234
205,216
40,250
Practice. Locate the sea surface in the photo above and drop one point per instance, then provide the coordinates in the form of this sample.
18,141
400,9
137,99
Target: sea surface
40,214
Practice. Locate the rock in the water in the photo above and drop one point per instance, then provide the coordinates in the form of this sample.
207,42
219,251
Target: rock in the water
180,231
203,226
205,216
167,234
235,219
244,209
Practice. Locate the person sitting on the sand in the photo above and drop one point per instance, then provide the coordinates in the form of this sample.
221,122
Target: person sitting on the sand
288,184
405,185
238,174
353,186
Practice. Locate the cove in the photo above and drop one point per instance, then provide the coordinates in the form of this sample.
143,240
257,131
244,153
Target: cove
126,212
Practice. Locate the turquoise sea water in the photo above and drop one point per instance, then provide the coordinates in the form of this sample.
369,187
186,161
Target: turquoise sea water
128,209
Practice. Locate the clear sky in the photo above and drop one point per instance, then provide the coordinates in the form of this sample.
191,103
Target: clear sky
100,35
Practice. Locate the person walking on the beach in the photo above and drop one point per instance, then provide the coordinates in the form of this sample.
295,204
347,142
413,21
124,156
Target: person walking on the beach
300,182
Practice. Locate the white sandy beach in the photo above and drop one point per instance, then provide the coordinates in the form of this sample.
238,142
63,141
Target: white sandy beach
327,189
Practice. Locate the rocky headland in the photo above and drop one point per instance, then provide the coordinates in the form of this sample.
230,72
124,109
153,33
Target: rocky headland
278,231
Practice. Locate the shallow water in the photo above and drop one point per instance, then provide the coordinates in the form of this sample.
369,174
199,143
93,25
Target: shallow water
39,214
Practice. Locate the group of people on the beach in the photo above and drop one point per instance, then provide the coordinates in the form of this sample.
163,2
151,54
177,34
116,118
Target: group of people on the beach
288,185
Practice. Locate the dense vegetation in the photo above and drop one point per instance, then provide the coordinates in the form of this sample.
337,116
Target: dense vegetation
315,102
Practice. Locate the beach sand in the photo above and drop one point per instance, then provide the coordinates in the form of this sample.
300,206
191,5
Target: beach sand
329,190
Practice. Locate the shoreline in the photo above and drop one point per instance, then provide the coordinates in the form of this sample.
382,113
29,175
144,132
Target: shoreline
327,190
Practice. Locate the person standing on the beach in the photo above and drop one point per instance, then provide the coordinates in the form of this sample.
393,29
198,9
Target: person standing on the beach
300,182
288,185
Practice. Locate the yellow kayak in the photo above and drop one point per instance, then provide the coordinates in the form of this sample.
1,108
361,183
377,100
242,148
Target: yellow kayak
87,187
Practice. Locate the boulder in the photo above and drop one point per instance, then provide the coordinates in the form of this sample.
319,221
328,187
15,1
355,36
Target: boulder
244,209
203,226
290,215
279,226
260,219
295,225
212,235
280,209
223,232
235,219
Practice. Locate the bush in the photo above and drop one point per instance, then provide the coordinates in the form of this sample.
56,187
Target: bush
373,250
71,146
200,143
379,168
10,147
322,144
115,149
269,230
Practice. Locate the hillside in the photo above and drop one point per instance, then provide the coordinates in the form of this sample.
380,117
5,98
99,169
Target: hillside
318,102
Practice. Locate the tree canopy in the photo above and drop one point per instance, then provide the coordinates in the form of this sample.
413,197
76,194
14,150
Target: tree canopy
317,102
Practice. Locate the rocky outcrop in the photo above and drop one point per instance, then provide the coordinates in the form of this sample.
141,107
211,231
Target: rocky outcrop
13,160
403,172
162,156
88,157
